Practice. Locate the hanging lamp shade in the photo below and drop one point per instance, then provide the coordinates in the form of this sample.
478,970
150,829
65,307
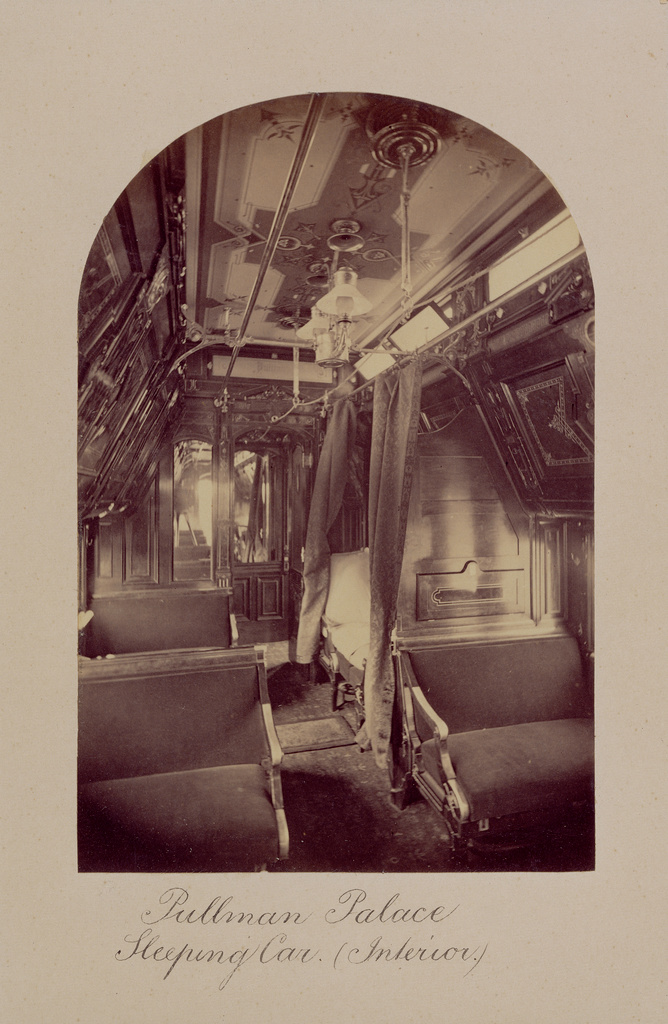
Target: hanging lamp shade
318,323
344,300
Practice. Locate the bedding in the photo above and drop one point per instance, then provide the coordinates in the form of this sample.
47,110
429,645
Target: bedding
351,639
345,627
348,606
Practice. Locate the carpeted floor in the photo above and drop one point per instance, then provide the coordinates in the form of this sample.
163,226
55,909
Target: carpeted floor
340,815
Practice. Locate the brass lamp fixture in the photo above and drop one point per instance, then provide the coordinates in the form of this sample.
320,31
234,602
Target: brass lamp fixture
318,331
332,316
341,304
402,137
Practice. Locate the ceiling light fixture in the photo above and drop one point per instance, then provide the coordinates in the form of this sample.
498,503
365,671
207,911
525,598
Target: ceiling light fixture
403,138
318,331
400,138
341,304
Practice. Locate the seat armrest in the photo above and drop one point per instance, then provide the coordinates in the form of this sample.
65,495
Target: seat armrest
275,756
424,725
275,749
425,718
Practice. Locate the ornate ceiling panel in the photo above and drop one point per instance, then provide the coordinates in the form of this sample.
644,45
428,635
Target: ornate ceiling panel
243,160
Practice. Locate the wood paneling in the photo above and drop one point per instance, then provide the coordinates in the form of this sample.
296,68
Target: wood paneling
104,561
270,597
579,566
446,595
140,561
261,603
538,399
242,598
467,554
160,620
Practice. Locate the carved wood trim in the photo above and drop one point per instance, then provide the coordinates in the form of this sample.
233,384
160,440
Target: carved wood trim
223,511
162,663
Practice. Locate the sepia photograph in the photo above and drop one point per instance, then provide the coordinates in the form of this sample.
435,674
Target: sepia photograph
312,539
335,469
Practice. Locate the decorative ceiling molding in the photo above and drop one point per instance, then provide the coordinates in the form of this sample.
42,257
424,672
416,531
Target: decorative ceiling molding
462,198
269,164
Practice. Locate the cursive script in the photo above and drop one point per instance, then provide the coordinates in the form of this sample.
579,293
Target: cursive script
218,911
351,899
277,937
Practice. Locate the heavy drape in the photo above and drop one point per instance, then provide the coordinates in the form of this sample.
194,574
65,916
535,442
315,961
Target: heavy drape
396,410
330,482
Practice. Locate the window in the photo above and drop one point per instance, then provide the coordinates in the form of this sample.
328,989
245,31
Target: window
193,517
257,507
556,238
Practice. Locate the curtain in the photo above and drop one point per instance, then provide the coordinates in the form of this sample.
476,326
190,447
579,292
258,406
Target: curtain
396,409
330,482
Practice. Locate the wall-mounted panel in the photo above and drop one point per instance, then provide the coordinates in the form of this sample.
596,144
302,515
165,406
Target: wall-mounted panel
141,543
539,402
455,595
161,620
242,598
104,550
579,562
552,570
467,553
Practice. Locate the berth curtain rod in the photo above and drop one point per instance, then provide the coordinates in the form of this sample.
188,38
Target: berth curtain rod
466,322
330,396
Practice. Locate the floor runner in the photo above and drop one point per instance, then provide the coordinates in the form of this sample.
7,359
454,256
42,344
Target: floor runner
315,734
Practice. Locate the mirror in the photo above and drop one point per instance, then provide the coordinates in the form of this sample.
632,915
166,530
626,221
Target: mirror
257,511
192,510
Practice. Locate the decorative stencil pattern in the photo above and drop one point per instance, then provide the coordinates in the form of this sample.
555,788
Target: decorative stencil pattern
544,406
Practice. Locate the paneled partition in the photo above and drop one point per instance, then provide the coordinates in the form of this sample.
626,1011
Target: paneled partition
220,529
467,562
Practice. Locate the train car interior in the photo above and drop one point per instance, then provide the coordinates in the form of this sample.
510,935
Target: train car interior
336,502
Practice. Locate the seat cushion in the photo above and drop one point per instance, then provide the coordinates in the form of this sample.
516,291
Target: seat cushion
526,767
209,819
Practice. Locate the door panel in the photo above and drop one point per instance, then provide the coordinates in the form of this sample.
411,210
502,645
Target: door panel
242,601
260,603
270,597
260,544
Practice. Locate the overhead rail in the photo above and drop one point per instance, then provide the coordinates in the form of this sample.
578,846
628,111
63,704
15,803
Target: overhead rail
315,109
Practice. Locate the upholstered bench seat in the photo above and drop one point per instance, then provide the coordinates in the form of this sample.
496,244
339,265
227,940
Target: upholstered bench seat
526,767
207,819
179,763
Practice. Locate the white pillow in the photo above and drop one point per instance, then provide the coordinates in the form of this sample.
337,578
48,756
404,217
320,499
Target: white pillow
349,597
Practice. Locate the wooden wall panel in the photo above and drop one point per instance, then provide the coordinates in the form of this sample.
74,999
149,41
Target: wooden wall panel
242,597
141,543
450,596
163,620
467,553
539,401
104,550
579,567
270,597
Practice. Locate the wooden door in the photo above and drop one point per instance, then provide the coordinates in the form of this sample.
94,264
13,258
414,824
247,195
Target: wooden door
260,552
